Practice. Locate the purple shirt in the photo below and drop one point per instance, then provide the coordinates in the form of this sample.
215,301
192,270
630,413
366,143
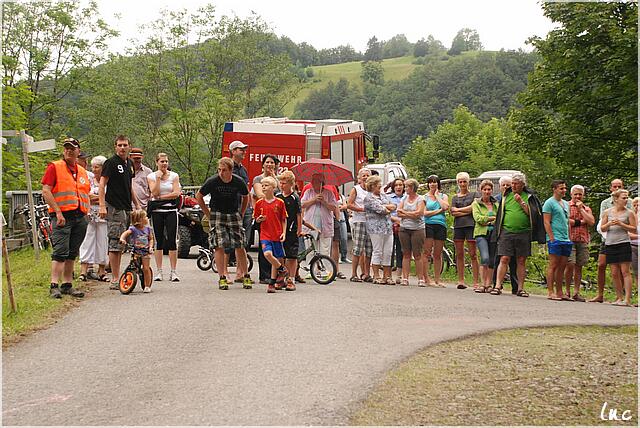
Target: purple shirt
140,239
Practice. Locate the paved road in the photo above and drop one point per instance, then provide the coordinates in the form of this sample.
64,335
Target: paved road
189,354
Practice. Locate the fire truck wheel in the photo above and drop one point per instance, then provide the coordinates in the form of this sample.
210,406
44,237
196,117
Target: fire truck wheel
184,242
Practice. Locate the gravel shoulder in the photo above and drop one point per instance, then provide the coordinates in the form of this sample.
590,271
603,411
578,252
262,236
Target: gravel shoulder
189,354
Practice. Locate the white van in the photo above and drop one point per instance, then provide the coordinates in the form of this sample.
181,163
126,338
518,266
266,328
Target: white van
389,171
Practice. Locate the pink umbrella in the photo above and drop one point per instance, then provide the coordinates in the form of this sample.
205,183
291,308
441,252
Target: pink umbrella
334,173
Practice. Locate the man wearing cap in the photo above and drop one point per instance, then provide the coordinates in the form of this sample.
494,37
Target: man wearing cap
65,187
237,149
116,195
140,184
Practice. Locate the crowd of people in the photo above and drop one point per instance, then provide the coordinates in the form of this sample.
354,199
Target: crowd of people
96,213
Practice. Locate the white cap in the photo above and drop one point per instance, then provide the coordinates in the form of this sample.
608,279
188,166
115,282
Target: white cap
237,145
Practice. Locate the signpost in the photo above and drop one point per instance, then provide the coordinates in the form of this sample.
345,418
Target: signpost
30,146
7,268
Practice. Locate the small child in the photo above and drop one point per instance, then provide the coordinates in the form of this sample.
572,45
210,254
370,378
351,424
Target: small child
294,224
142,239
271,213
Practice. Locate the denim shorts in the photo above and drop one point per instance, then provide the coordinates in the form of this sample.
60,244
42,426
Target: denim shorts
560,248
275,247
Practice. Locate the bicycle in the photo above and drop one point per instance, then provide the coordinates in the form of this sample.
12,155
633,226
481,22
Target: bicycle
206,260
322,268
129,277
449,257
43,223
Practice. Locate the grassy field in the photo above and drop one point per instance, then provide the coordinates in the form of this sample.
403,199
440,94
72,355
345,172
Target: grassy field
394,69
35,309
545,376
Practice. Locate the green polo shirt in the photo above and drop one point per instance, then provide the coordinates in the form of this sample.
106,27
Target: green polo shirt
515,219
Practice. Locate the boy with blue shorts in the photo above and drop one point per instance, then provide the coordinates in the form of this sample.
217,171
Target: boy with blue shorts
555,212
271,213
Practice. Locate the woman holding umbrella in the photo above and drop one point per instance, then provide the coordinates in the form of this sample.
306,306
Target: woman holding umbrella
319,205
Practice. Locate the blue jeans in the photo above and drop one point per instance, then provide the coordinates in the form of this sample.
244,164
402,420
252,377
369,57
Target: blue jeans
247,221
483,247
343,239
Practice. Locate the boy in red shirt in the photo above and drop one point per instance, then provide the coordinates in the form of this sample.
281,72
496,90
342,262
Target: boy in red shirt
271,213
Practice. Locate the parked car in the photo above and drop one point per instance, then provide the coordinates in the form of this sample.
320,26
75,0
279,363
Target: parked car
389,171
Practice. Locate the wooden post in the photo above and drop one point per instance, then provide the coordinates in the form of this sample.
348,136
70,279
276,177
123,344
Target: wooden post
32,211
7,270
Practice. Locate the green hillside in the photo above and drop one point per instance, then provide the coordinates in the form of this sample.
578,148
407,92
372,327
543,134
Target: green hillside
394,69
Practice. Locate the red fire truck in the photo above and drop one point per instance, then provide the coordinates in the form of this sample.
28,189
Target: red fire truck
294,141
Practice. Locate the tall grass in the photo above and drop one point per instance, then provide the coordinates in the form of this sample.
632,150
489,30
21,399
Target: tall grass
30,280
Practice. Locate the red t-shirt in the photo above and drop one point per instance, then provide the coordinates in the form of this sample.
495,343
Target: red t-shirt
329,187
49,178
276,213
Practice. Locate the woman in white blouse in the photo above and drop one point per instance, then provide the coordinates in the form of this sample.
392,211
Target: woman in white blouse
163,207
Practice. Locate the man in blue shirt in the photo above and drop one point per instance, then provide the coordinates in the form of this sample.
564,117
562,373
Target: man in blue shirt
555,213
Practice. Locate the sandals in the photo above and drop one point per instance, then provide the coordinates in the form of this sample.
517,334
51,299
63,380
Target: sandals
482,289
103,278
496,291
367,278
379,281
522,293
82,277
421,283
620,303
355,279
390,281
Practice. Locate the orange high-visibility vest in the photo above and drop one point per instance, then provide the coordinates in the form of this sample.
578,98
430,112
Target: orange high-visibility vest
71,194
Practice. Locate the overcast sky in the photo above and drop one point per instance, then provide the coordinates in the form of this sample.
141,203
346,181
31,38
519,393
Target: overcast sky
328,23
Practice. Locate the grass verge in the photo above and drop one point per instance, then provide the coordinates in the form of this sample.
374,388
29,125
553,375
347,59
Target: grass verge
542,376
35,309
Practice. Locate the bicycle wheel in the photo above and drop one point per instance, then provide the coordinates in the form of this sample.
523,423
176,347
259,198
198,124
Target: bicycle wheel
43,238
323,269
128,281
447,261
204,262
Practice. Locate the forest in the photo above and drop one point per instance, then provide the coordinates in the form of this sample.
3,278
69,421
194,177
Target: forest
567,109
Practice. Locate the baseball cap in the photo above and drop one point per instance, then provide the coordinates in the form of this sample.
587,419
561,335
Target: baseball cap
71,142
136,153
237,145
83,155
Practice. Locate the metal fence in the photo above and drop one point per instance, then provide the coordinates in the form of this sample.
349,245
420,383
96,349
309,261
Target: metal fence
18,198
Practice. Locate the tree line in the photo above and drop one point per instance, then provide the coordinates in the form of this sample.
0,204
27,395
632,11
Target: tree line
568,109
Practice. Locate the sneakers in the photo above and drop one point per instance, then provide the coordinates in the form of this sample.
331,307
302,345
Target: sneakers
223,284
114,285
158,276
300,280
173,276
54,292
247,282
278,285
271,288
346,260
67,288
146,290
290,285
